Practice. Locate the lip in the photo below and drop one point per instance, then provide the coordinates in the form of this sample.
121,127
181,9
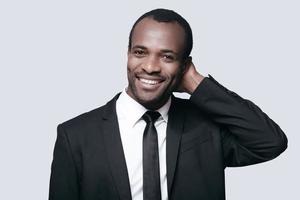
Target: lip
149,77
149,83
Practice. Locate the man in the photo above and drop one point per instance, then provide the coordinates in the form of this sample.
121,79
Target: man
121,151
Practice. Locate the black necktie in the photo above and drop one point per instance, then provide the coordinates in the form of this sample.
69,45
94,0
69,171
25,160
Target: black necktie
151,175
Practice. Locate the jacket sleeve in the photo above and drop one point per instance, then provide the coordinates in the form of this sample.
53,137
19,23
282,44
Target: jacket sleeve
64,177
248,135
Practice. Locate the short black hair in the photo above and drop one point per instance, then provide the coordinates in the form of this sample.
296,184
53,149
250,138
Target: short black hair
165,15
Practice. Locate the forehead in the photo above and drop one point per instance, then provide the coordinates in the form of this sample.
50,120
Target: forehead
158,35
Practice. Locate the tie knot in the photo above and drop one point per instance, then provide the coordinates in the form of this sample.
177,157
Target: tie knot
151,116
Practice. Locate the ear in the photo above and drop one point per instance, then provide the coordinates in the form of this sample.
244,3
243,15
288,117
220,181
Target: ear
186,63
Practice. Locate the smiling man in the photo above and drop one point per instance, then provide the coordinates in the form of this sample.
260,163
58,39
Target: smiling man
147,144
155,62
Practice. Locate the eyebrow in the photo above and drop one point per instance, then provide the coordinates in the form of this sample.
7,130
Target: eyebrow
139,47
168,51
163,50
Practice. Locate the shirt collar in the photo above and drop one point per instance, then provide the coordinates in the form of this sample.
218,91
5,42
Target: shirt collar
132,111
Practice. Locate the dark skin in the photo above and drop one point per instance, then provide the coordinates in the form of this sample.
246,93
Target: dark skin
155,65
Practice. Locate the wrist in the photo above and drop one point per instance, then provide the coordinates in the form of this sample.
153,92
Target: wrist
194,81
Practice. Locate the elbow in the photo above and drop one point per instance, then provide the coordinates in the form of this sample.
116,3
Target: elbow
283,144
278,146
276,141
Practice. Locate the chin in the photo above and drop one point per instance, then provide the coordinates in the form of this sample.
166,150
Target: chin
152,102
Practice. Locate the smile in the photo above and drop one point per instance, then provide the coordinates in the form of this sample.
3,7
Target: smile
150,82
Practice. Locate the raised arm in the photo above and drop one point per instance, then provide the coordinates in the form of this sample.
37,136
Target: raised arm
249,135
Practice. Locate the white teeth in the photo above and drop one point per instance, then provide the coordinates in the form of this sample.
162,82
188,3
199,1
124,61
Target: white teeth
150,82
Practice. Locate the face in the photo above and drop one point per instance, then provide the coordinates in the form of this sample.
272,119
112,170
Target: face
155,63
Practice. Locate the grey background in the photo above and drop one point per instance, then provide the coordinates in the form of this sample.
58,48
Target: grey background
59,59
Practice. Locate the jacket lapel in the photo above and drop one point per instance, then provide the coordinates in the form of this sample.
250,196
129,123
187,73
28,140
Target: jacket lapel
174,131
114,149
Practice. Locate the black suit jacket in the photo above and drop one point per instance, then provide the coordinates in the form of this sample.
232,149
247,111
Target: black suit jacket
216,128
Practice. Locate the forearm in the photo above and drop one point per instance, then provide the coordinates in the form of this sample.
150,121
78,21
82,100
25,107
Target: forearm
247,125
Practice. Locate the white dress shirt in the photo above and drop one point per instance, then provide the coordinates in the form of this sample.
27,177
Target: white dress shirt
131,126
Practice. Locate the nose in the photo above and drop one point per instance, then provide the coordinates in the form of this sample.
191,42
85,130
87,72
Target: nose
151,65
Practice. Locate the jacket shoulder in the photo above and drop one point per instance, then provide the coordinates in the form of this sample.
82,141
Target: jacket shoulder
92,117
83,119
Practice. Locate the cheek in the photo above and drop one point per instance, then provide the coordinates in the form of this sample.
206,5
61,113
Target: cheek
174,72
129,65
132,65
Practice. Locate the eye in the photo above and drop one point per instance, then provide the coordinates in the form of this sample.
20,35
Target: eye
139,53
168,58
